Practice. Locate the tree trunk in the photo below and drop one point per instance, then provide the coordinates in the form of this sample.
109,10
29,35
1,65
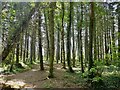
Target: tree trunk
40,42
17,53
62,39
58,45
119,36
91,63
31,49
69,39
86,40
47,36
73,39
51,35
27,45
21,46
34,45
81,49
25,41
78,34
113,51
106,42
73,49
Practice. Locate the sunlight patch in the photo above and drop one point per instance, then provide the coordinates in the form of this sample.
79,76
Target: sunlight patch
76,68
35,69
59,68
16,84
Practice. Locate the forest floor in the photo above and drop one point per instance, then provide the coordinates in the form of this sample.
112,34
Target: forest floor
35,78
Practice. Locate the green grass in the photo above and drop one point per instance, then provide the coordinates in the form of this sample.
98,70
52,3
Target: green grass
75,78
48,85
110,79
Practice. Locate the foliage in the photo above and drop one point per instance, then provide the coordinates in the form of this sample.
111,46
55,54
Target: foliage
93,26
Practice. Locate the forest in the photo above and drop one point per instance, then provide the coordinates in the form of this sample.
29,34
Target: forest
60,45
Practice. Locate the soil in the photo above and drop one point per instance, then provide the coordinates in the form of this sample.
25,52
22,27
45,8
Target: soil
35,78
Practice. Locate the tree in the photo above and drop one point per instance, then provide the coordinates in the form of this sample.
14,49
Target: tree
47,36
40,42
16,34
73,36
17,53
69,38
58,44
27,45
25,42
86,39
80,38
118,10
62,38
91,30
51,35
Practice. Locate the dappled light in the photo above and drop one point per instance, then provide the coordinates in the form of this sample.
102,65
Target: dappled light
60,45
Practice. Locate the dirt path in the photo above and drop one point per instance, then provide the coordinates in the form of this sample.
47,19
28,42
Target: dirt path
35,78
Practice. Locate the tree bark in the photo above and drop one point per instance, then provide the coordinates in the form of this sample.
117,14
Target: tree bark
62,39
51,35
40,42
91,63
17,53
73,39
47,36
58,45
86,40
69,39
119,36
81,49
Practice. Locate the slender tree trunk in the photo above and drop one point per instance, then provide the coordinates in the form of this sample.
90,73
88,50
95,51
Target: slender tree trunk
40,42
73,49
78,35
31,49
51,35
68,39
80,40
86,40
58,45
17,53
110,43
113,51
73,39
95,47
21,46
62,39
91,63
119,36
106,49
24,53
47,36
106,43
101,46
34,45
98,48
27,45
